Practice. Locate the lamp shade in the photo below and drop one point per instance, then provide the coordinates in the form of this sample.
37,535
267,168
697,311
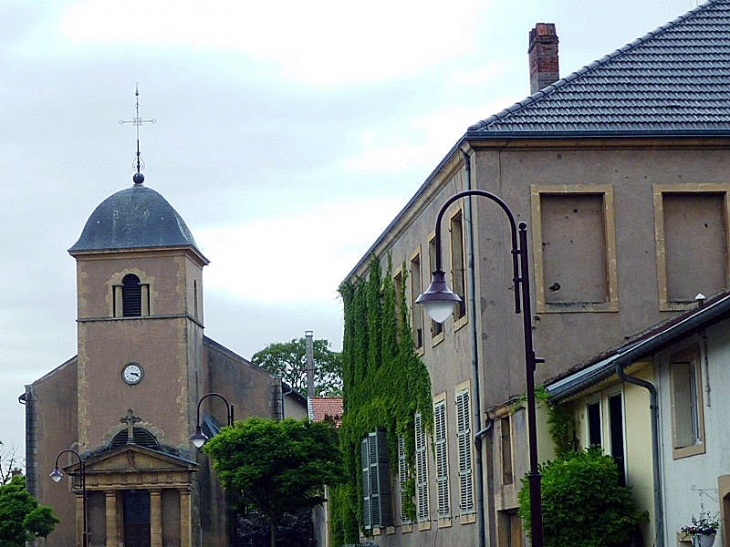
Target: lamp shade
56,474
439,299
198,438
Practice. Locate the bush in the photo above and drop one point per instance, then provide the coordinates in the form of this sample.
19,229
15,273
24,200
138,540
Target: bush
583,503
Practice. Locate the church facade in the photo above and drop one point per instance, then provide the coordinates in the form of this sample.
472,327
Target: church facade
116,419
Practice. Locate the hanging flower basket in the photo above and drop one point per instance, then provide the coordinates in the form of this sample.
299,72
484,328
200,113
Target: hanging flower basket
703,529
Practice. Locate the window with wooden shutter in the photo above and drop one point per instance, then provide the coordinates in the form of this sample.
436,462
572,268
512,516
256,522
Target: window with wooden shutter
377,510
365,467
422,512
442,459
464,439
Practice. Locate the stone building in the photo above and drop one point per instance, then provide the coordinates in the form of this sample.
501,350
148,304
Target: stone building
130,399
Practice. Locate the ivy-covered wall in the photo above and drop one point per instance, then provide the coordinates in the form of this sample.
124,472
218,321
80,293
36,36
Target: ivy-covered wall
385,384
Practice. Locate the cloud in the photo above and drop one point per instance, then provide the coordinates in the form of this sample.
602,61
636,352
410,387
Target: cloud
294,259
319,42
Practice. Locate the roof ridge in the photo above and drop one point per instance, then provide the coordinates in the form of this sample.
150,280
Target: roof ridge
590,67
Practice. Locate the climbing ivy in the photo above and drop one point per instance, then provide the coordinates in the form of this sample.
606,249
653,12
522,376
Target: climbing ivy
385,384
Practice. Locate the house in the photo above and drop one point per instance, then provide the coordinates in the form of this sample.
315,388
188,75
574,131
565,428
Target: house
620,171
649,403
117,418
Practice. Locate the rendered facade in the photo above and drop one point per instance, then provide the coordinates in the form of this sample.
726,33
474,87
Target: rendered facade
621,172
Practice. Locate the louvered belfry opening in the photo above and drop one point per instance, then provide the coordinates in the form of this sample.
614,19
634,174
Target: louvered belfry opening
131,296
141,437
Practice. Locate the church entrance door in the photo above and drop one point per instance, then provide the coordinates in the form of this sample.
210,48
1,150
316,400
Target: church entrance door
136,518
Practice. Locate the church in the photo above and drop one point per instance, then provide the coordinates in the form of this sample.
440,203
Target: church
113,424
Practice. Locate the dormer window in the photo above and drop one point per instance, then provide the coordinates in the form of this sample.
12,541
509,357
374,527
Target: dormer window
131,298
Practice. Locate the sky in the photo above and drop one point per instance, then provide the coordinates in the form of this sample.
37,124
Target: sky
288,135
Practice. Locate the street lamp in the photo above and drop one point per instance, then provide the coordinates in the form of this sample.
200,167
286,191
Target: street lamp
56,476
199,438
439,301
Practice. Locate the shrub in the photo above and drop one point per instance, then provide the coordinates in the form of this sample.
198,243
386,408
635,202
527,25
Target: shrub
583,503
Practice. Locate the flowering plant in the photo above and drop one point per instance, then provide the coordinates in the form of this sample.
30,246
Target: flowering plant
704,524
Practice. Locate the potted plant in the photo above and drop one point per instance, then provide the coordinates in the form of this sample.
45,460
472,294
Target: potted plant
702,530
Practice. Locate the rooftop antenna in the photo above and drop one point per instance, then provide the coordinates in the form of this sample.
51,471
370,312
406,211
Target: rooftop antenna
137,121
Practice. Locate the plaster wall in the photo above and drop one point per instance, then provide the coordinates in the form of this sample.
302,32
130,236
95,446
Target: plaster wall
53,405
692,481
565,337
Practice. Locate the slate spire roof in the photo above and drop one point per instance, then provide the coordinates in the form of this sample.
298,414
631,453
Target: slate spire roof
674,80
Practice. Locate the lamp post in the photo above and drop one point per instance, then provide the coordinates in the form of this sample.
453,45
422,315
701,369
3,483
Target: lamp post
199,438
439,301
56,476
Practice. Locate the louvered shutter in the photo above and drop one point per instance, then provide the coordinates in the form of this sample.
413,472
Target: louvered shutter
463,433
402,477
365,466
442,459
421,471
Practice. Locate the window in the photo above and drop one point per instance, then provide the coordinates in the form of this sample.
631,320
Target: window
616,430
437,329
416,311
376,492
464,442
506,450
458,270
402,477
398,289
574,225
442,458
131,298
594,424
422,511
692,242
686,394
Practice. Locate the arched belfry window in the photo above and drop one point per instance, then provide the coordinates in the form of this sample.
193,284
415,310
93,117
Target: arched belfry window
131,298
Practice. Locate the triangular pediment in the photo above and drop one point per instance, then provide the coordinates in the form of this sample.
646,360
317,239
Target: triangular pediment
134,466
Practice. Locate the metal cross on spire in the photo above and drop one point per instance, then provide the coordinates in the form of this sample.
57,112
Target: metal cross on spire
137,121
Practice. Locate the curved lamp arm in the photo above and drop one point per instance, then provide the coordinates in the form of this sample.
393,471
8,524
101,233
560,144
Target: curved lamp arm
198,438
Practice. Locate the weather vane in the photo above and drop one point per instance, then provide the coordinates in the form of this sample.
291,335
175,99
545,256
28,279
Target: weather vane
137,121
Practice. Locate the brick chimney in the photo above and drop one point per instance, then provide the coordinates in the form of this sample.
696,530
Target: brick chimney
543,52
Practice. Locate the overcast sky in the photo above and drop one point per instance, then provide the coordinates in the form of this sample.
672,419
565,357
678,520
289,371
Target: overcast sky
288,135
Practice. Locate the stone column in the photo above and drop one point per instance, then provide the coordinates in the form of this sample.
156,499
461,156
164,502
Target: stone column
80,519
110,507
155,518
186,531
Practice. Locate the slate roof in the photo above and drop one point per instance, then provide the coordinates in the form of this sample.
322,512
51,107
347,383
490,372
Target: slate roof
134,218
674,80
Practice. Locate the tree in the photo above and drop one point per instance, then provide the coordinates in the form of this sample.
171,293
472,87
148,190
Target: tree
9,464
22,518
583,502
278,467
289,360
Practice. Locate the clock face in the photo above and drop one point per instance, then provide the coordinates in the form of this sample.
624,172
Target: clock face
132,373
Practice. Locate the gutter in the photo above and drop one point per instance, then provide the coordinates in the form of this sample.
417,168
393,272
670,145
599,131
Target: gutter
474,351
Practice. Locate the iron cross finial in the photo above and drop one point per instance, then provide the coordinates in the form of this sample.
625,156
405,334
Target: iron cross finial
137,121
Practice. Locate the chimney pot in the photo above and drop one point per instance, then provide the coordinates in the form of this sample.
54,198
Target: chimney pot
543,54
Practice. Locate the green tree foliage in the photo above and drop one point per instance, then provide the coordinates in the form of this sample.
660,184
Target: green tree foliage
289,360
279,467
385,384
21,517
583,503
